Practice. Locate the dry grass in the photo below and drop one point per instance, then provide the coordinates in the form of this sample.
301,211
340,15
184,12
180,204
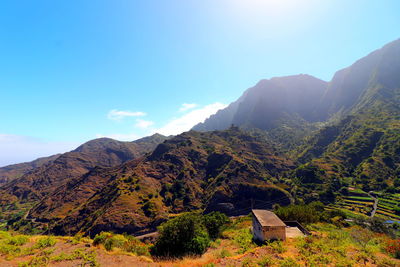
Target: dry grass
329,246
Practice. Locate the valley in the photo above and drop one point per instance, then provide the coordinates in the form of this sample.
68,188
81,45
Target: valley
287,141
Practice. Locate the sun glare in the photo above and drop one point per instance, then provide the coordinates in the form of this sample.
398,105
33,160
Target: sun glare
274,8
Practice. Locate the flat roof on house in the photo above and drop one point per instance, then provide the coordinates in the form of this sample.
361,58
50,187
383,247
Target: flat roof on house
267,218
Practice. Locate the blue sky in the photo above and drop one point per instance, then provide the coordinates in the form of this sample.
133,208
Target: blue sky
71,71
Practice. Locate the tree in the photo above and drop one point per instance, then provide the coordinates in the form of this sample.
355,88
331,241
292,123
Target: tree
309,174
215,222
183,235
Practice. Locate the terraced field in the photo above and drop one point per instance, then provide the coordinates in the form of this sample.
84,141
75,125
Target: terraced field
356,202
387,206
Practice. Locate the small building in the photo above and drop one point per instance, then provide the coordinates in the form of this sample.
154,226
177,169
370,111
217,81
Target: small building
267,226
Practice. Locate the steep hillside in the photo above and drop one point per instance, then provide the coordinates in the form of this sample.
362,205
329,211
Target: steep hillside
214,170
286,108
15,171
103,152
296,137
374,76
283,107
363,148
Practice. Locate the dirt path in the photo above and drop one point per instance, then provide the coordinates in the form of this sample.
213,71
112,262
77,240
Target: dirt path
375,207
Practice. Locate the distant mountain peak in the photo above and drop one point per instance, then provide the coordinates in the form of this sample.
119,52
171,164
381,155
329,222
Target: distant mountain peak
268,101
267,105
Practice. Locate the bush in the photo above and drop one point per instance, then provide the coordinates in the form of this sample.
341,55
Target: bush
101,238
37,261
45,242
124,242
115,241
277,246
18,240
215,223
133,245
309,174
183,235
310,213
109,240
244,239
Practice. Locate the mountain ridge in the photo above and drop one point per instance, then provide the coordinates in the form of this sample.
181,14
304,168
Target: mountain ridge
13,171
101,152
278,144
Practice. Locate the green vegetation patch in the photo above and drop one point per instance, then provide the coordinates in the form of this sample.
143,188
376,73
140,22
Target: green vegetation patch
124,242
45,242
188,234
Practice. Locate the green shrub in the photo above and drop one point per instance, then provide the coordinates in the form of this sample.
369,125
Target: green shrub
45,242
183,235
88,258
63,257
115,241
126,243
215,222
310,213
4,235
77,238
133,245
277,246
309,174
244,239
101,238
7,249
37,261
18,240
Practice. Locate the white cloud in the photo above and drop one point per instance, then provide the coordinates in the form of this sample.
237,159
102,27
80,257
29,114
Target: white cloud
175,126
118,115
120,137
143,124
18,148
190,119
186,107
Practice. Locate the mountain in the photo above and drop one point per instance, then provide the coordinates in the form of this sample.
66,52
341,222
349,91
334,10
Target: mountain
214,170
102,152
282,108
269,102
376,75
15,171
363,143
296,138
348,133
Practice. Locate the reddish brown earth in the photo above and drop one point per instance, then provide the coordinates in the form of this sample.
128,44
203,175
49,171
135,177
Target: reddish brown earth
11,172
190,171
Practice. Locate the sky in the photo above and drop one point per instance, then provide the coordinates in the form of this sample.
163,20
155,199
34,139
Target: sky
73,70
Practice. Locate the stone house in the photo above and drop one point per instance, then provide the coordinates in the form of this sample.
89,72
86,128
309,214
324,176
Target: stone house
267,226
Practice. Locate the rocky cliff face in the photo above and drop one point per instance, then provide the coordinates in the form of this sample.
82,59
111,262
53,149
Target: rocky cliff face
269,103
